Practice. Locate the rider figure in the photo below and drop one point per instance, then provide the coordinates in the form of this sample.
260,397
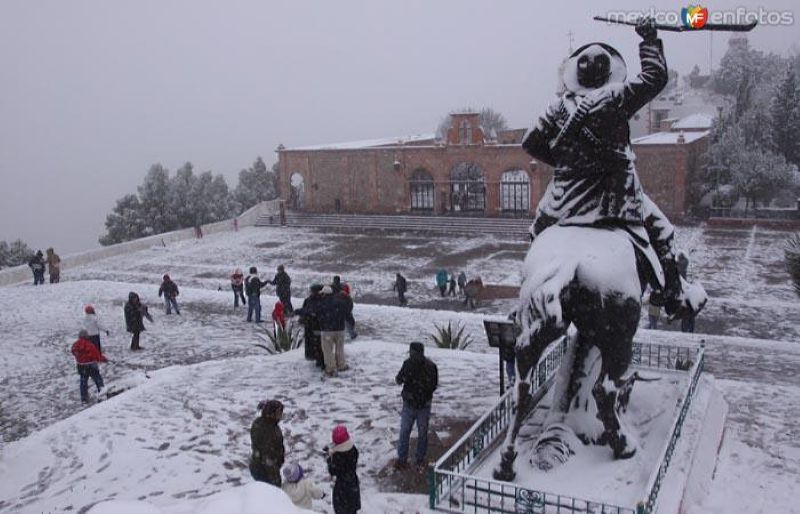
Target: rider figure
584,135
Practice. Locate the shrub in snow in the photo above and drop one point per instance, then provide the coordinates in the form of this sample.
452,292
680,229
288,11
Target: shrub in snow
278,339
451,337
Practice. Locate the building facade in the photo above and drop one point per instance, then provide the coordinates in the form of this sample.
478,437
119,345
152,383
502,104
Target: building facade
465,173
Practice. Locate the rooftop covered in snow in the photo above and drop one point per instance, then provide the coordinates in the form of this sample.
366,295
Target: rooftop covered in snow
371,143
669,138
699,121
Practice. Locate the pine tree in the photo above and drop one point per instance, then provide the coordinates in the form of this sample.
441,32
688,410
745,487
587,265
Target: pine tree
125,221
785,118
256,184
154,199
182,202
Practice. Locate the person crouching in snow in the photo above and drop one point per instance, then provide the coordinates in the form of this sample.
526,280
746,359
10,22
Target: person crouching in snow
93,327
170,291
237,284
301,490
87,356
342,462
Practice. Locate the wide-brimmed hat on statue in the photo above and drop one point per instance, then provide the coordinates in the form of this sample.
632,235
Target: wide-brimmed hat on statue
617,70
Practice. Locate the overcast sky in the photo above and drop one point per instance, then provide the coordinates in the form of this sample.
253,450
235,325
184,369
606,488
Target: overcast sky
94,92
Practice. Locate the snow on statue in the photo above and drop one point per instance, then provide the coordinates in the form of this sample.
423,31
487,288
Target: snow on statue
598,240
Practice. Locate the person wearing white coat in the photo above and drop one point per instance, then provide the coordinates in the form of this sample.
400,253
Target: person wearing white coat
300,490
93,327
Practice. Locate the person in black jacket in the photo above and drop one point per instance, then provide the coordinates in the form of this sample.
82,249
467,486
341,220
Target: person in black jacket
342,461
252,288
266,440
419,377
400,286
135,313
332,313
283,288
310,321
36,264
170,291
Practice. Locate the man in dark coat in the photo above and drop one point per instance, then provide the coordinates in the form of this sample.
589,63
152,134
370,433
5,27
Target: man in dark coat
342,462
309,319
419,377
135,313
283,288
252,288
401,286
170,291
266,441
36,264
332,313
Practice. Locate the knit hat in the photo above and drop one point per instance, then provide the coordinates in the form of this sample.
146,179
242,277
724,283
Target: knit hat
339,434
89,309
293,472
417,347
83,334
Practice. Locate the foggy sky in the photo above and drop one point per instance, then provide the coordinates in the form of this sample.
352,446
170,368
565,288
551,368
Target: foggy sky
94,92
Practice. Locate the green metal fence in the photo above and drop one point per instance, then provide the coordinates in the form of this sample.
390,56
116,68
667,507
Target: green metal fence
452,488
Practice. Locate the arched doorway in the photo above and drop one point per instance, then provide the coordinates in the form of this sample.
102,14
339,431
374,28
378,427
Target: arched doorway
467,188
297,192
515,192
422,190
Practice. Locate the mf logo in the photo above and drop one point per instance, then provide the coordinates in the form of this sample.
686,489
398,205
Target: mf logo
694,16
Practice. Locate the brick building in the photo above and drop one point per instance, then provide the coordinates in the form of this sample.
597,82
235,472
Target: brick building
468,172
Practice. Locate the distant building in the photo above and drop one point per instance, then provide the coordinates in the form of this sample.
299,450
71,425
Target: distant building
468,172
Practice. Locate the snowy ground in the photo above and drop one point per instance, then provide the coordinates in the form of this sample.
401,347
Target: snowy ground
183,432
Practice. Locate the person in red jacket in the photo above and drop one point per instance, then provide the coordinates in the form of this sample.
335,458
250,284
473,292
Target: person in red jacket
279,316
87,356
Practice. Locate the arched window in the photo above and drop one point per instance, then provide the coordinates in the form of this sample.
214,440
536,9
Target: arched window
515,192
297,192
467,188
422,190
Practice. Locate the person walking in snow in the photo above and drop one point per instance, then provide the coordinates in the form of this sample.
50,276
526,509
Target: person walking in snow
91,324
419,377
472,289
36,264
441,281
452,285
252,287
266,439
462,282
135,314
53,266
300,490
87,356
342,460
400,285
237,284
283,288
332,319
309,318
170,291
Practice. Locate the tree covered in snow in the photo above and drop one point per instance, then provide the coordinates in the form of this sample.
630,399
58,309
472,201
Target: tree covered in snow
14,254
256,184
154,200
125,222
784,111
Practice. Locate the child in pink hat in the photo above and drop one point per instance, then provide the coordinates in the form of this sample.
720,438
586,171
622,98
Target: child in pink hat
342,462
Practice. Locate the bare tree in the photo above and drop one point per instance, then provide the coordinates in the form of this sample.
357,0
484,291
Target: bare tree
490,120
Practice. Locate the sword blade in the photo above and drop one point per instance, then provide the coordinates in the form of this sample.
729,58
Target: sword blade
720,27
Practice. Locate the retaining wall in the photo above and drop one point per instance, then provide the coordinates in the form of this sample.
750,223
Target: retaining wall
18,274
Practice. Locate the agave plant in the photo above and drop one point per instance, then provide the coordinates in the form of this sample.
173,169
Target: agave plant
280,339
451,337
791,254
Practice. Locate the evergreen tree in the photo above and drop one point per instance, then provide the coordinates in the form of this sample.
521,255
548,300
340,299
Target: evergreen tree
182,200
154,199
256,184
785,118
125,221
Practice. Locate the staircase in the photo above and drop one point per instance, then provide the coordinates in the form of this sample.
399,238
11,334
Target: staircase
512,228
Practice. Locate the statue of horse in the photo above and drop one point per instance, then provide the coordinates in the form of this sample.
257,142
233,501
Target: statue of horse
593,279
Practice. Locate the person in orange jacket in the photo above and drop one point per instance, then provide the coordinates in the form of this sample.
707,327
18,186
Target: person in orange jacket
87,356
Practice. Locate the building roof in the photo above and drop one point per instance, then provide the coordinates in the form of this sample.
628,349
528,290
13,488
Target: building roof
371,143
669,138
697,121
